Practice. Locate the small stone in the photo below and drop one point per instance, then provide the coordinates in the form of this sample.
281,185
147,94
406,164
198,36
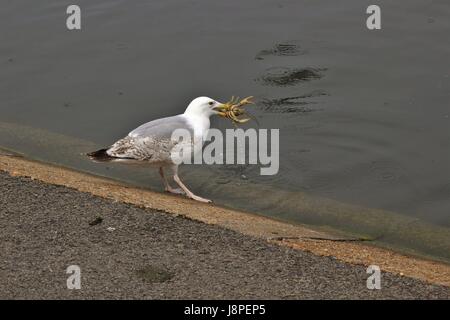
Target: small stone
111,229
154,274
96,221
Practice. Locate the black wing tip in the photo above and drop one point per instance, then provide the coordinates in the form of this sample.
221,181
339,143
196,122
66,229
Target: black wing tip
100,155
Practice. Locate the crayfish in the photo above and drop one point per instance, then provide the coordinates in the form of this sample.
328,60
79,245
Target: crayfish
233,109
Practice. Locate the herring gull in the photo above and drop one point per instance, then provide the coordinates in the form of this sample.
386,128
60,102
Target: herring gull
152,143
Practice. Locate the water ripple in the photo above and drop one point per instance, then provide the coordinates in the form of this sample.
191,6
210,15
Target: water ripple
283,76
297,104
288,48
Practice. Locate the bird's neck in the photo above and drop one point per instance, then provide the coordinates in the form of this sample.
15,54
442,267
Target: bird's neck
199,122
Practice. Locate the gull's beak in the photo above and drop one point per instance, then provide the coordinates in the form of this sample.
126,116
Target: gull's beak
221,109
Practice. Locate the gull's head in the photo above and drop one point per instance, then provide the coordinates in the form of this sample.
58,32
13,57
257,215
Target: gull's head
204,106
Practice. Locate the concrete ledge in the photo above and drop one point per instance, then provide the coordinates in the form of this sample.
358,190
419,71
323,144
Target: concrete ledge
295,236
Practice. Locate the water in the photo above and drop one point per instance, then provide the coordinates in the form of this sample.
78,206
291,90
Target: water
363,115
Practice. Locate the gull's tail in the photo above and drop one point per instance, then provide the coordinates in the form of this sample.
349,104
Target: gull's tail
100,156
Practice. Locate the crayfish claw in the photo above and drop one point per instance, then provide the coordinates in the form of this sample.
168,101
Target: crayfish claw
243,120
232,109
247,100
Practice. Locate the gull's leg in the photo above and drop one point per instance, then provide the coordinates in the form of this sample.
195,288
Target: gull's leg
185,189
167,186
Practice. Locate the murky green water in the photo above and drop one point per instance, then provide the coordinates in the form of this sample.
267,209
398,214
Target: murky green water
363,115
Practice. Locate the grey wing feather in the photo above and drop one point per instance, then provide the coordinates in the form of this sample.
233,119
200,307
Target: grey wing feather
150,141
161,128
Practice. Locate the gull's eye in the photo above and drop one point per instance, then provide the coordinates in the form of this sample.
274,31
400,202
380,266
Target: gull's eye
211,103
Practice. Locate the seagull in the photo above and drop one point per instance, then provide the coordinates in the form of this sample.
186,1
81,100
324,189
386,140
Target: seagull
152,143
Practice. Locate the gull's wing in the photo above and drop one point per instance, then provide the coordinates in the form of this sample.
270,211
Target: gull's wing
161,128
150,141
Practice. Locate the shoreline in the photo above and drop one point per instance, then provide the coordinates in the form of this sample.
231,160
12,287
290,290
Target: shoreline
295,236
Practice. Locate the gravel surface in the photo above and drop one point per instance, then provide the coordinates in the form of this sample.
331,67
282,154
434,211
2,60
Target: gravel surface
128,252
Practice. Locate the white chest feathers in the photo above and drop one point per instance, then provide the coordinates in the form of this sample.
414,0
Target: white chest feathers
200,125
